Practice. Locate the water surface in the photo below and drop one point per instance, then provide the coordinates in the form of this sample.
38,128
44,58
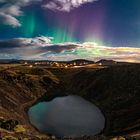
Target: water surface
69,116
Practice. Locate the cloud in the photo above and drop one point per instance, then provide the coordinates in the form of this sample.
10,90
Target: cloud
19,42
33,46
11,9
58,48
43,48
19,45
65,5
9,20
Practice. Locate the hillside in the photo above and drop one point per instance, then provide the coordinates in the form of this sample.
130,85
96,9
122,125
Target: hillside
20,88
116,90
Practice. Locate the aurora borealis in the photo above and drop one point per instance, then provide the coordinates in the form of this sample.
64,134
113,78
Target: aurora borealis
95,29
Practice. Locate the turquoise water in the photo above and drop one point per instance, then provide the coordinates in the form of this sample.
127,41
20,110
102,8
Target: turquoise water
69,116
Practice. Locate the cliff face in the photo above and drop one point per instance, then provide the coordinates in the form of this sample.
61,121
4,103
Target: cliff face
116,90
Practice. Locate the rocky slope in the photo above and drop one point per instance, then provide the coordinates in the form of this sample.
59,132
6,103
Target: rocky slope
20,88
116,90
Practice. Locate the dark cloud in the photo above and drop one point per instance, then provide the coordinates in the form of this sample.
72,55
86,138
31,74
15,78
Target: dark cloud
10,44
59,48
33,46
42,48
24,42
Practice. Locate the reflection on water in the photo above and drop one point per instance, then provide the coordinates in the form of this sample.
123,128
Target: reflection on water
67,116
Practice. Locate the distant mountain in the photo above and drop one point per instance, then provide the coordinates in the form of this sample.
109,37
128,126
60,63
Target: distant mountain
106,62
112,62
9,61
74,62
83,61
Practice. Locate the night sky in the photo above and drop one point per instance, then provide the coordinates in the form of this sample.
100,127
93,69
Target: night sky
70,29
